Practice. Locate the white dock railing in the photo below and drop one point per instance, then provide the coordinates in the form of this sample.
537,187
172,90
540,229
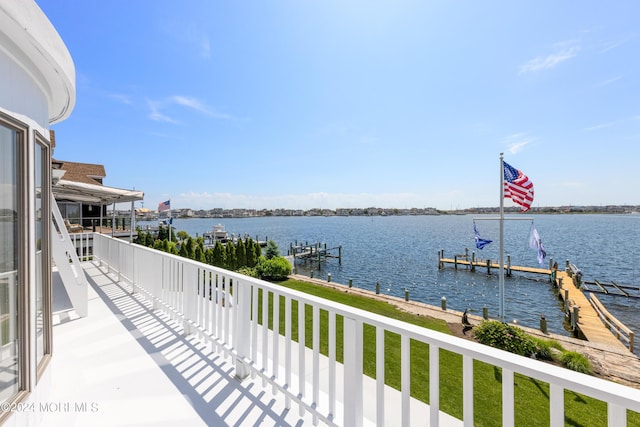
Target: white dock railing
226,308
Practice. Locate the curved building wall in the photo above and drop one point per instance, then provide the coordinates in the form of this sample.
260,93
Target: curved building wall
37,88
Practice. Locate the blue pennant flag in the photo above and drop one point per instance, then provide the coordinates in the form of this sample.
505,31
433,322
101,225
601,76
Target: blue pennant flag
480,242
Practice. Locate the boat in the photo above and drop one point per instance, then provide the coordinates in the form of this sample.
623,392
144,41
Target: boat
217,234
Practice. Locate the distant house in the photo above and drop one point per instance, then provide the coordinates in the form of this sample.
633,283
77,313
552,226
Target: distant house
76,211
80,193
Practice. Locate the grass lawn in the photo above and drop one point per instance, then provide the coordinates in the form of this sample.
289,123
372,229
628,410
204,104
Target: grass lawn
531,396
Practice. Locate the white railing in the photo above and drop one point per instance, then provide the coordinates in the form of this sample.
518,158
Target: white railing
83,243
618,329
223,307
8,312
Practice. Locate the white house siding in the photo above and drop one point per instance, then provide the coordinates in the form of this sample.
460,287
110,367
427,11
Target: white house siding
37,88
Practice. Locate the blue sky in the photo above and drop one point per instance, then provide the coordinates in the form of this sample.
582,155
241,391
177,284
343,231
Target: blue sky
301,104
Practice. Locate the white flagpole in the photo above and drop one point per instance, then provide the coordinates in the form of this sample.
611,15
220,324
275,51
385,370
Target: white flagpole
501,276
169,220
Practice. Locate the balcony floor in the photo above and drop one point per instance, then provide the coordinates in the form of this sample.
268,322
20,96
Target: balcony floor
132,366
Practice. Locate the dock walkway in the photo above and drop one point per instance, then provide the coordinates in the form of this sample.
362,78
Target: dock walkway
589,323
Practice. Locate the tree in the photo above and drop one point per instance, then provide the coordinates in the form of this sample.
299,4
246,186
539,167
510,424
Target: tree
158,245
149,240
182,235
272,250
183,250
231,263
199,254
219,256
208,256
241,254
163,232
251,253
172,248
191,250
257,250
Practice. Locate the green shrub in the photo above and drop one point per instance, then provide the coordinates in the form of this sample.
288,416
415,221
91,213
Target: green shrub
248,271
277,268
576,362
506,337
543,349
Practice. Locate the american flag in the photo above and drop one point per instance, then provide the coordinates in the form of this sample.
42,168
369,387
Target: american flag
164,206
517,187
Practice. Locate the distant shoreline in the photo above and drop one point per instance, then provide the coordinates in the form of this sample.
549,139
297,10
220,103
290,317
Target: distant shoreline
220,213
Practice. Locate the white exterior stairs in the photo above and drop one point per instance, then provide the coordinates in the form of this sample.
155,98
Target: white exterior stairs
68,264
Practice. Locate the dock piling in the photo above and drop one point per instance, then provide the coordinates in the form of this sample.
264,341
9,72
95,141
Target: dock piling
543,324
575,316
377,288
406,294
485,313
443,303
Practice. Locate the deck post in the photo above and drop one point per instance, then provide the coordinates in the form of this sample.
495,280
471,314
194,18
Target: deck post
243,307
353,401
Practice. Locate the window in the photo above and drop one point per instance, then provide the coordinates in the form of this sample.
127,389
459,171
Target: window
10,212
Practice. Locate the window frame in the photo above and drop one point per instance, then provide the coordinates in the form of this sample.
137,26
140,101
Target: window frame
27,141
40,142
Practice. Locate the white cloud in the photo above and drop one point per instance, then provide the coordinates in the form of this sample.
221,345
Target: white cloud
157,108
197,105
122,98
516,142
600,126
609,81
156,115
563,52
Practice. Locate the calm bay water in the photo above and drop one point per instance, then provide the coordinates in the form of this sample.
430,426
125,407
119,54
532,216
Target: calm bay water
401,252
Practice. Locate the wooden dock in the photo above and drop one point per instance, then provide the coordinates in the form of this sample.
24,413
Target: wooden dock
314,252
588,322
587,316
492,265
